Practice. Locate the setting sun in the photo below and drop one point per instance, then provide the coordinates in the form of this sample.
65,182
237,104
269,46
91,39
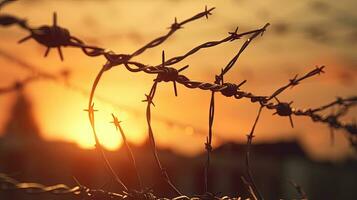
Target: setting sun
72,124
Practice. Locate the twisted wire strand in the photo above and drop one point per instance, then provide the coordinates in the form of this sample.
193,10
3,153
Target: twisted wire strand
283,109
347,102
174,27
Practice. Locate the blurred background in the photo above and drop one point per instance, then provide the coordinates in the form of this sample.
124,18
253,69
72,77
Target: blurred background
45,135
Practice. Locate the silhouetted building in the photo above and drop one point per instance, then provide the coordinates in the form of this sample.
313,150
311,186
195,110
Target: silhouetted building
21,124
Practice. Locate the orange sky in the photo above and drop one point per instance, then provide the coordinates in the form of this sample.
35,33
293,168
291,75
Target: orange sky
302,35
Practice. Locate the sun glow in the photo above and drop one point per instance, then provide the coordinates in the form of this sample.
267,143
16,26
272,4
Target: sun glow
75,126
108,136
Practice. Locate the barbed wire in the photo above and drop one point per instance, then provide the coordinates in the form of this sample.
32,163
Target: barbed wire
219,79
62,78
166,74
149,99
57,37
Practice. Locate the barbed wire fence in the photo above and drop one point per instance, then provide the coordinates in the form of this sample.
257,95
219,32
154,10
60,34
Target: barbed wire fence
55,36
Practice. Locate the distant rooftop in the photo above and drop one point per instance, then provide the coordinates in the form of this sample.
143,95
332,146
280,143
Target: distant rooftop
280,149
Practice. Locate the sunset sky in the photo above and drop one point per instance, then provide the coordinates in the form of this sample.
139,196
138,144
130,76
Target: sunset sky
303,34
